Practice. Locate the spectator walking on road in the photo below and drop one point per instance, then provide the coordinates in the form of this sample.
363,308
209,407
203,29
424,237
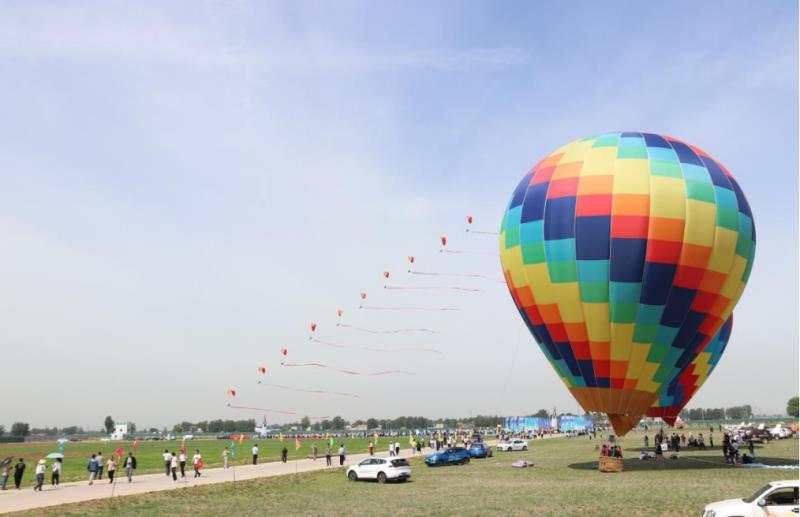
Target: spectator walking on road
314,451
182,462
4,475
255,454
55,476
328,455
167,461
225,453
19,470
173,466
99,460
342,453
112,469
130,464
197,463
371,449
284,454
92,468
41,467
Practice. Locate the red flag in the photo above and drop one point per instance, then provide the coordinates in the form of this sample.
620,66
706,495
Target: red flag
120,451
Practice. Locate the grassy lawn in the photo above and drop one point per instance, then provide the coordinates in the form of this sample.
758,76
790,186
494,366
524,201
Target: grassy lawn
148,455
563,482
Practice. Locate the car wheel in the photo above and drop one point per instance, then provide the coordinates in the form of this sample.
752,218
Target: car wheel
381,477
524,447
466,460
352,476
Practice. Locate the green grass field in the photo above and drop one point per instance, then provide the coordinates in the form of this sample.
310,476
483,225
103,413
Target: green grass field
563,482
148,454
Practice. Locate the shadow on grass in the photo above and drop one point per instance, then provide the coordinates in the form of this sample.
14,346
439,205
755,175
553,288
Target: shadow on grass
684,462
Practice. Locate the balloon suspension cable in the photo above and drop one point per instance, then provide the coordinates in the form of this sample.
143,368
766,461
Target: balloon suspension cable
348,372
375,349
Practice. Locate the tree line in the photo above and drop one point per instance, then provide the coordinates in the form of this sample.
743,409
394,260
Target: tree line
723,413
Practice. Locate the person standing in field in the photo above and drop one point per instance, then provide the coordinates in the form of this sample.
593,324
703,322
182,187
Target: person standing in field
130,464
314,451
342,453
284,454
328,455
92,468
182,462
255,454
646,441
19,470
167,461
55,476
197,463
112,469
225,453
99,465
397,448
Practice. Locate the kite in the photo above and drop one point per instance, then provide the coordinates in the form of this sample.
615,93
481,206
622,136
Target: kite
469,228
262,370
625,253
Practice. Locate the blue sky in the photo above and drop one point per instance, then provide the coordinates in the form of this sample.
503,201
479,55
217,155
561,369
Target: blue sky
187,185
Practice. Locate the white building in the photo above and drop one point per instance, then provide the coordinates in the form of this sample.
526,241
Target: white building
120,431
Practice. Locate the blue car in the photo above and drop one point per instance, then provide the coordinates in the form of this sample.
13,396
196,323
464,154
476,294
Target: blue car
479,450
451,456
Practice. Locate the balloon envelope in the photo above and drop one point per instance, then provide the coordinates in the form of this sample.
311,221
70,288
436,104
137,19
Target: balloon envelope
625,253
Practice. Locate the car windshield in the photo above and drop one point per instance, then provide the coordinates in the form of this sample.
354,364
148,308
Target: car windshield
755,496
402,462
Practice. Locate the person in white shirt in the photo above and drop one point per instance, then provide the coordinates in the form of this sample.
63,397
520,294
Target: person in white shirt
197,462
130,463
255,454
167,461
173,466
112,469
41,467
225,453
100,465
56,475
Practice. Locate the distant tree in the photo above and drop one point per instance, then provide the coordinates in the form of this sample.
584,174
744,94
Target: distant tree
177,428
542,413
372,423
20,429
108,423
2,430
338,423
305,423
792,407
69,431
131,427
153,430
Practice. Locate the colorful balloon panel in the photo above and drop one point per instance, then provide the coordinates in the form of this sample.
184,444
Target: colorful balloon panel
625,253
683,387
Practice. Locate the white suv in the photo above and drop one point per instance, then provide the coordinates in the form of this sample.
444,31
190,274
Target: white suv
777,498
382,469
514,445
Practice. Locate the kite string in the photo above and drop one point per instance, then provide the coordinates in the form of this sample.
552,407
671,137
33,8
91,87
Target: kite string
318,392
432,309
342,370
433,287
373,349
393,331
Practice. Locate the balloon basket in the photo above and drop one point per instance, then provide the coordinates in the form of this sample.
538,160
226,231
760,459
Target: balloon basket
609,464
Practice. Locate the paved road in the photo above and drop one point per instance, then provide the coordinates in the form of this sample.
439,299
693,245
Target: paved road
26,499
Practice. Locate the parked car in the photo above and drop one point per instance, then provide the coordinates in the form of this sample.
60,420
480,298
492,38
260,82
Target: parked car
480,450
380,469
776,498
516,444
451,456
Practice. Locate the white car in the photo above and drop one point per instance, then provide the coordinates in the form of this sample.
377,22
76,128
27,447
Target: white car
513,445
381,469
777,498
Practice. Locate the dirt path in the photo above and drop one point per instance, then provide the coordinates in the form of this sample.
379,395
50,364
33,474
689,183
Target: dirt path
26,499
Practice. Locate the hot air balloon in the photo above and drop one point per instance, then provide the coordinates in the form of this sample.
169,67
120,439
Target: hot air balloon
685,385
625,253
